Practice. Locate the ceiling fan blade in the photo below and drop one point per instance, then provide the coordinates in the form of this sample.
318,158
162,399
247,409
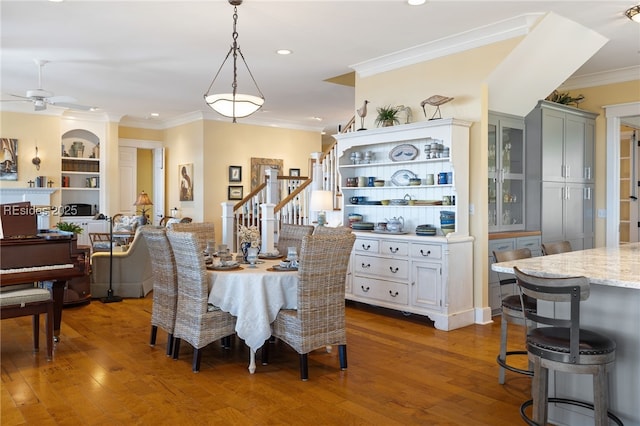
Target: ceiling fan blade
71,106
57,99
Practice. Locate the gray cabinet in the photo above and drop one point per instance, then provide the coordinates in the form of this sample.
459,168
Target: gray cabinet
559,175
506,166
511,242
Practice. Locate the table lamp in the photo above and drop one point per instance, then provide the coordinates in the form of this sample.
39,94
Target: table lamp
321,201
143,200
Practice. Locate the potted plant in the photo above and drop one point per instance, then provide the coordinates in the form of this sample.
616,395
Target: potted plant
69,227
387,116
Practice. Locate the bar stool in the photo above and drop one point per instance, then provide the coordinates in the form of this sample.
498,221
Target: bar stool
511,312
562,345
556,247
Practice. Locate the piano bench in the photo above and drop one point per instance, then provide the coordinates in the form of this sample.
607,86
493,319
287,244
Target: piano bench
30,301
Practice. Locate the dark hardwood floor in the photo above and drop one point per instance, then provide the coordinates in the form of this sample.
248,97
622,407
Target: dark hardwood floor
402,371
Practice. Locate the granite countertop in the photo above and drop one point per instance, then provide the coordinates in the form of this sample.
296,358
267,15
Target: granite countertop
612,266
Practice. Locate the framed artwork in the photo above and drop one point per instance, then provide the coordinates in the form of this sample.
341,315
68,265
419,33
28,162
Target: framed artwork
235,192
185,176
9,165
294,172
258,168
235,174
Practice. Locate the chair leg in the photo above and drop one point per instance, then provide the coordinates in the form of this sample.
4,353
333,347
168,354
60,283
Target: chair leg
265,353
304,368
35,323
539,392
342,353
601,397
197,356
49,333
170,344
154,333
503,348
176,348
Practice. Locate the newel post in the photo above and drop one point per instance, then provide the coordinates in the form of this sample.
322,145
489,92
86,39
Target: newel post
227,225
268,227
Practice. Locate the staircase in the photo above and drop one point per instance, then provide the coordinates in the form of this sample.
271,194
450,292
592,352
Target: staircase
284,199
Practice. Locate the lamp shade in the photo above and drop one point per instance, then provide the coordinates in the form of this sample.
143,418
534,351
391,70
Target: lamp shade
321,200
143,200
241,106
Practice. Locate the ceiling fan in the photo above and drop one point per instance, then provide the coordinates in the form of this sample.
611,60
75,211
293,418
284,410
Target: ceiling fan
41,98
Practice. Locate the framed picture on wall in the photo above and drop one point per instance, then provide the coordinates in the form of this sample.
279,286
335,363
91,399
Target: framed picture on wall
294,172
185,174
235,192
235,174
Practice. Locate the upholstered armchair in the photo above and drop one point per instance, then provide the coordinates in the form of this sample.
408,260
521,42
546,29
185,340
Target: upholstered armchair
132,274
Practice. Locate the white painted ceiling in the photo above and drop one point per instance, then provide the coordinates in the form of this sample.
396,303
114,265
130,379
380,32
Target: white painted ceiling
134,58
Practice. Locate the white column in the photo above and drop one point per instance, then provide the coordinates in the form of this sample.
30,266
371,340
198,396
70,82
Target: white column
273,194
268,227
227,225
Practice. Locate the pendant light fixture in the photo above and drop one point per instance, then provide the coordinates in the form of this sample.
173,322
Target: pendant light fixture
234,105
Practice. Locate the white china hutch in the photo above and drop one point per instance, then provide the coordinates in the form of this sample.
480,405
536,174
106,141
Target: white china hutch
426,275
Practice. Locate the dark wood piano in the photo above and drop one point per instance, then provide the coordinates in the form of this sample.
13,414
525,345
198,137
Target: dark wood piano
28,258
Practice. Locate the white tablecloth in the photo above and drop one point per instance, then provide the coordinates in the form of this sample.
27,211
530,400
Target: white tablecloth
254,296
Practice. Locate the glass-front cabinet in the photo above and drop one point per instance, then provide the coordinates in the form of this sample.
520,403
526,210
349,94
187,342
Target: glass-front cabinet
506,173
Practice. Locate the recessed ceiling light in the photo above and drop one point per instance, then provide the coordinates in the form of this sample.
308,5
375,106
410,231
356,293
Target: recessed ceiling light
416,2
56,1
317,118
284,52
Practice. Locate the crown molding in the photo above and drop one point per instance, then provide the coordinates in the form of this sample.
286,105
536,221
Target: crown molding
602,78
477,37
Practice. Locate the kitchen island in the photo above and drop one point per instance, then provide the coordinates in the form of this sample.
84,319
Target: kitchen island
613,308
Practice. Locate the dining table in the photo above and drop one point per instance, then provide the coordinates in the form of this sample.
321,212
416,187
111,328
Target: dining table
613,308
254,294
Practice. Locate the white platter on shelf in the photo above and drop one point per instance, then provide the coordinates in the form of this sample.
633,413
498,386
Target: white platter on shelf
404,152
402,177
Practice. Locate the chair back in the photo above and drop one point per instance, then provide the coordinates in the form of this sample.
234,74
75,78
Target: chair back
321,279
569,291
165,277
507,255
291,236
556,247
326,230
193,289
205,232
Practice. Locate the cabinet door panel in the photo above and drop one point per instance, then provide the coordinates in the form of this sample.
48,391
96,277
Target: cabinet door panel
552,145
575,149
552,211
579,211
426,285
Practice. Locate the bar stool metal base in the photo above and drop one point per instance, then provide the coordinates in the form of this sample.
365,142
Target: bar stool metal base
503,363
582,404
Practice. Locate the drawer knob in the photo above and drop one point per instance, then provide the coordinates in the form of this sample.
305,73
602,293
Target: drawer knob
393,270
366,266
425,254
366,290
367,247
394,250
392,294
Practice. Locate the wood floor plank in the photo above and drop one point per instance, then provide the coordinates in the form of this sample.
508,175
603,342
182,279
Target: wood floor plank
401,371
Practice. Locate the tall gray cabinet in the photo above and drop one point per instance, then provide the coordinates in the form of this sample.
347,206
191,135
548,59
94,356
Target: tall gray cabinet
560,173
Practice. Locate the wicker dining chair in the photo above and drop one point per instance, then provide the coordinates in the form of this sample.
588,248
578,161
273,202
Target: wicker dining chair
291,236
205,231
196,323
319,320
165,284
330,230
556,247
